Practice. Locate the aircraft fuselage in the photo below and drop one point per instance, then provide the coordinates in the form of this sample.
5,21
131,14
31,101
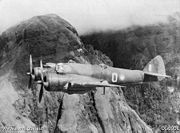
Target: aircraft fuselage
111,74
67,72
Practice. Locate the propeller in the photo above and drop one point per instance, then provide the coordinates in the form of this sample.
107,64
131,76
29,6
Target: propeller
42,82
31,73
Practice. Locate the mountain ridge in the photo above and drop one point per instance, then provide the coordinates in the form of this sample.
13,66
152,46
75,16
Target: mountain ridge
50,38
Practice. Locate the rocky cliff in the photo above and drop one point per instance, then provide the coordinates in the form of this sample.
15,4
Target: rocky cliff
53,39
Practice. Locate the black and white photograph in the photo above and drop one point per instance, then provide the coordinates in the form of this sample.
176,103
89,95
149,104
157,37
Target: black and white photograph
89,66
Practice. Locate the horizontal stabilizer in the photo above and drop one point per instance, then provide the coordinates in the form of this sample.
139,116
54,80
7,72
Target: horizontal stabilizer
156,74
150,77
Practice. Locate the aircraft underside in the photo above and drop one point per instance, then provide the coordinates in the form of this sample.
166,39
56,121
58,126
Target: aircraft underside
72,90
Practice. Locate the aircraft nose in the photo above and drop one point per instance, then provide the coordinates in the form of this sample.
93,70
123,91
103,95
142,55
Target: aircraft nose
37,73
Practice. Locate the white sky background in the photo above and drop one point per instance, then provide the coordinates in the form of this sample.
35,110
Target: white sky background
89,15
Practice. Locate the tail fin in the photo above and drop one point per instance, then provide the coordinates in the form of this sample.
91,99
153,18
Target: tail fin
156,68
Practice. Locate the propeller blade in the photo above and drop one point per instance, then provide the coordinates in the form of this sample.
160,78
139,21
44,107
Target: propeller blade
41,93
42,82
31,71
30,63
41,64
30,82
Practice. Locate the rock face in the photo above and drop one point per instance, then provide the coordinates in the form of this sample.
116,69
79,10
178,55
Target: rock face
53,39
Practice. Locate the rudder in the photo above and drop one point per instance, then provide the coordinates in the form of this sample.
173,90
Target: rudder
156,66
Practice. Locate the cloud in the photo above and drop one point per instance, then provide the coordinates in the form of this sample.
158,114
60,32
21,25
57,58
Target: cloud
88,15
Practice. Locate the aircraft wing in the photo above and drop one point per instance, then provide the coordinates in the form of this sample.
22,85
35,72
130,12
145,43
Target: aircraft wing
93,84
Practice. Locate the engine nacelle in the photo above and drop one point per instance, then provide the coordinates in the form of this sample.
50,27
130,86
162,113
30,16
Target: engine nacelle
55,82
61,82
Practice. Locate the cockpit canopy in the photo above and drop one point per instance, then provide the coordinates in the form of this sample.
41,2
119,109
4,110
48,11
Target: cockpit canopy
50,65
104,66
62,68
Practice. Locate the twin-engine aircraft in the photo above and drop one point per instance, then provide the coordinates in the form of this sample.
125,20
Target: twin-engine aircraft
79,78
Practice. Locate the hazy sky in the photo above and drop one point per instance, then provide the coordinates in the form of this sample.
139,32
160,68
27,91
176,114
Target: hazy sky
88,15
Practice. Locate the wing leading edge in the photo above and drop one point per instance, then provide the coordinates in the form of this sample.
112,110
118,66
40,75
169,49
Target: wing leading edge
93,84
